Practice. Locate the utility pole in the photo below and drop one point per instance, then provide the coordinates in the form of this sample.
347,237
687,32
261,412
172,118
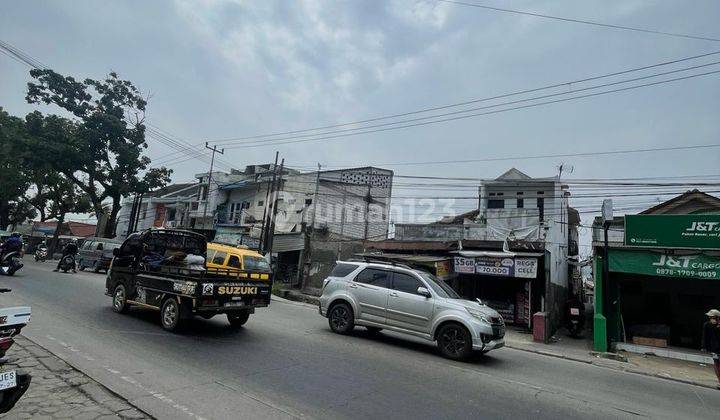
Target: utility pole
315,196
368,198
207,190
133,211
271,231
271,182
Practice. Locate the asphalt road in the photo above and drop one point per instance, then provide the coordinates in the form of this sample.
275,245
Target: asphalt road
285,363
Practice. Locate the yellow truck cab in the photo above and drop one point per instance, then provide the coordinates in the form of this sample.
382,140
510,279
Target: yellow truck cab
235,258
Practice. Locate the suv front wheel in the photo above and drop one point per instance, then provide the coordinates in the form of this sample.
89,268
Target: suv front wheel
341,318
454,341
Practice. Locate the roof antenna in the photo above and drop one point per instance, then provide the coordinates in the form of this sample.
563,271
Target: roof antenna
563,167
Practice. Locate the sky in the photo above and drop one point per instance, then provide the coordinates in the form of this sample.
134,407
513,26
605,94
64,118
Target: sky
228,69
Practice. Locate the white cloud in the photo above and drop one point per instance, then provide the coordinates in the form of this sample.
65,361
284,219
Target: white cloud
319,57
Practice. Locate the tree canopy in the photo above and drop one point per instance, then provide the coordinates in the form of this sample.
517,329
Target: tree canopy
100,148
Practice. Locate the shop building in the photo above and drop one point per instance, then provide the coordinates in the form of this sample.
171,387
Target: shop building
165,207
662,276
513,252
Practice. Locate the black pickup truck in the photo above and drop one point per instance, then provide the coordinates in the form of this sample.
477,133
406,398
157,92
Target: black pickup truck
165,269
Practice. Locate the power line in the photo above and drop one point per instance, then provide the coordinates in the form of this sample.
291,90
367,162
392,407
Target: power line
275,143
585,22
464,111
473,101
546,156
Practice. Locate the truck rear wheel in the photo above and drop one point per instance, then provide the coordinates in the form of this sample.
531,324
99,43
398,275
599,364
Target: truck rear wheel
120,299
238,319
171,314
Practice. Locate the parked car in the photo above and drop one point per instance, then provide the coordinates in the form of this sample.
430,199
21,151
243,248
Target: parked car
96,253
380,295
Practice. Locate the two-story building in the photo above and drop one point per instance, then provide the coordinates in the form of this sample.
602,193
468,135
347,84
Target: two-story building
169,206
513,252
320,215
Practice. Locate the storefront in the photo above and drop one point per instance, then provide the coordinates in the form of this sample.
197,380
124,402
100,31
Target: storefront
511,283
661,280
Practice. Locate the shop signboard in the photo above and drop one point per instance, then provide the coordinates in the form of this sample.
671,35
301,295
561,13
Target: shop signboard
464,265
526,268
698,266
442,269
673,231
492,266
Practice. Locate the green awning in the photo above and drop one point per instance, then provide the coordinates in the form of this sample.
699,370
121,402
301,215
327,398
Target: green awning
697,265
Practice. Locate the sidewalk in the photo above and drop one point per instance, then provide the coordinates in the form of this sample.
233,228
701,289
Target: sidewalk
58,391
580,350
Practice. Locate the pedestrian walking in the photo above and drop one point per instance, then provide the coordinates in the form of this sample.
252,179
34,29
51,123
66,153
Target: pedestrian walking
711,339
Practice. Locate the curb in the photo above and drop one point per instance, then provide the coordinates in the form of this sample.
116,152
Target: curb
311,301
100,384
617,368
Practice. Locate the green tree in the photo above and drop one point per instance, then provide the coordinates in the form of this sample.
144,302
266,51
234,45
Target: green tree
13,177
64,197
101,149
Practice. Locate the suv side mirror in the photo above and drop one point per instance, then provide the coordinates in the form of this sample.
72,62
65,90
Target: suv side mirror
116,252
423,291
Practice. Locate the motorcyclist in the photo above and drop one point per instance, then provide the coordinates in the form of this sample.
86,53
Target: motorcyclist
13,244
70,249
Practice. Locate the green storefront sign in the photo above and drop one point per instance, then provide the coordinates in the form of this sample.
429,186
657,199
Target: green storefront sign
673,231
697,266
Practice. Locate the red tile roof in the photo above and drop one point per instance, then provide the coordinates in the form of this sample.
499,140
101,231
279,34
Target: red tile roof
81,229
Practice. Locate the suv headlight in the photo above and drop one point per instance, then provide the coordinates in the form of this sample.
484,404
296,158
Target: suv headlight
479,315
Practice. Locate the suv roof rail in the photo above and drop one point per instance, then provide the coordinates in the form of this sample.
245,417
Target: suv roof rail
377,260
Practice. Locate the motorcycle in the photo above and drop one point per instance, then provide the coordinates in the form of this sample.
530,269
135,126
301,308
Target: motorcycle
575,318
13,384
67,263
41,254
10,263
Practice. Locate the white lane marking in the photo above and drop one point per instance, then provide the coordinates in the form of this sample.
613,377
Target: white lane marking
134,382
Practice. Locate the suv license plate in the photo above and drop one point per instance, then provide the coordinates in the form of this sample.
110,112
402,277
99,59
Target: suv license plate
8,380
234,303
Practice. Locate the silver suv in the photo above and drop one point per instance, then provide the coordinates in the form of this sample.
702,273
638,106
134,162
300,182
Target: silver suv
399,298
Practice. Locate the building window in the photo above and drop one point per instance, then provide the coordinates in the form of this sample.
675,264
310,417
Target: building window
541,207
203,193
496,204
308,201
520,201
261,203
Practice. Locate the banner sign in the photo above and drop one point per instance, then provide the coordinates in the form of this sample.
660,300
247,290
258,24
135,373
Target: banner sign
443,270
526,268
673,231
698,266
495,266
464,265
498,266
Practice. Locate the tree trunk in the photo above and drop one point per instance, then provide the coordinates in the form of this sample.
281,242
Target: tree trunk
112,219
54,240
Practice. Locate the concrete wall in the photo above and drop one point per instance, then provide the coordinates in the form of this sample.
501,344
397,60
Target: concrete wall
341,206
320,257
